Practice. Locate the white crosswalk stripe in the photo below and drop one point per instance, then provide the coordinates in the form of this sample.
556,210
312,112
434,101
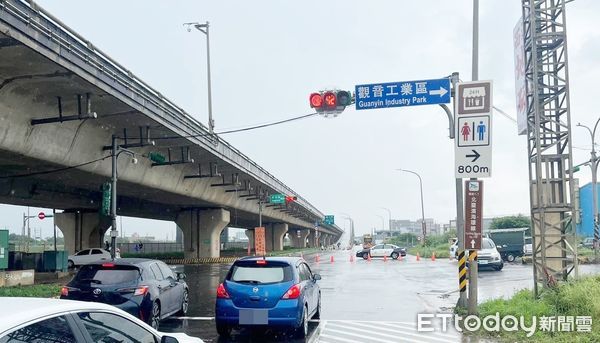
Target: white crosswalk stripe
346,331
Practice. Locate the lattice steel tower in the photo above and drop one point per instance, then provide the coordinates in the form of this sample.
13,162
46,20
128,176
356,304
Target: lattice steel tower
549,141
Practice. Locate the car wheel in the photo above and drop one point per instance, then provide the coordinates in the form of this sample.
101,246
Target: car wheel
395,255
70,264
154,319
510,258
302,330
223,330
317,314
185,303
365,255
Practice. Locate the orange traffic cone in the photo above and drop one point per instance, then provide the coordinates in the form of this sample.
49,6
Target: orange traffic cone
301,255
331,259
433,256
418,257
317,258
351,258
384,258
369,258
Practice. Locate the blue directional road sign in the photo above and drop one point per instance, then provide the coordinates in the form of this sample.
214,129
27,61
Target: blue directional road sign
403,93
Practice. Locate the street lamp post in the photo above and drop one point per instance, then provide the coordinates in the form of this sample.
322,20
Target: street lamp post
594,166
116,151
390,219
351,233
204,29
423,225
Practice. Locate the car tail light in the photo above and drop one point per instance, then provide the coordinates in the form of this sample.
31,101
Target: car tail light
292,293
263,261
141,290
109,265
222,292
64,291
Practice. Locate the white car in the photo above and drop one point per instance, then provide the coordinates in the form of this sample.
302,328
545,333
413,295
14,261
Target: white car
68,321
86,256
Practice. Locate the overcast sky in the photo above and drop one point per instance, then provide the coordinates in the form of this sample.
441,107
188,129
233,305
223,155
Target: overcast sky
268,56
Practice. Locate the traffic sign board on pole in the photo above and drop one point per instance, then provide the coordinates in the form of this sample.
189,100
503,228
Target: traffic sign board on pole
329,220
277,198
403,93
473,125
41,215
473,214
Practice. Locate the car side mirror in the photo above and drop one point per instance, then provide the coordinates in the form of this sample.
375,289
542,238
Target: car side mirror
181,276
316,277
168,339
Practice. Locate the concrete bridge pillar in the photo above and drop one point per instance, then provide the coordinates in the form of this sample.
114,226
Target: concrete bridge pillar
312,239
274,236
202,230
82,230
250,234
298,237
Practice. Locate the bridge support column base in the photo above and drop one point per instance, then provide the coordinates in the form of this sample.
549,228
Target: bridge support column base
250,234
298,242
82,230
274,236
202,230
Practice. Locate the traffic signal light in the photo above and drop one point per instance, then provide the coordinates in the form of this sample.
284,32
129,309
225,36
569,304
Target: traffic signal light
290,198
330,101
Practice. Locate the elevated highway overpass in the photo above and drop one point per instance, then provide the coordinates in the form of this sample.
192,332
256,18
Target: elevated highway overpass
61,102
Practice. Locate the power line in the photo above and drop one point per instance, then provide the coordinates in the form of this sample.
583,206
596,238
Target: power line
242,129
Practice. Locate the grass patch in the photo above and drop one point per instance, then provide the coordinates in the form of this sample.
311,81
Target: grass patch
575,298
442,250
38,291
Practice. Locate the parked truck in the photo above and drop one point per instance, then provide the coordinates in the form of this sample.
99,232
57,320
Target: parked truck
510,242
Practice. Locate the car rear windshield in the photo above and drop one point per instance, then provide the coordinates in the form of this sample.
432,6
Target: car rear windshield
107,275
260,273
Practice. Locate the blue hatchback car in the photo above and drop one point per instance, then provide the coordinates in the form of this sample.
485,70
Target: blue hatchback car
278,292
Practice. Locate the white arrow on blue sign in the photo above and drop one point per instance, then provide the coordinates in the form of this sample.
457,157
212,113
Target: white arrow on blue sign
403,93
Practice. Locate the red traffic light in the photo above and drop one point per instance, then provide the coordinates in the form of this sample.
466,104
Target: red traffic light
330,99
316,100
290,198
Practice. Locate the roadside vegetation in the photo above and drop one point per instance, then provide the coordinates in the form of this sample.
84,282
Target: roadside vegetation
38,291
439,244
576,298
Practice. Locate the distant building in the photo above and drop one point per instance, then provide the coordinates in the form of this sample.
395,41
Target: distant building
415,227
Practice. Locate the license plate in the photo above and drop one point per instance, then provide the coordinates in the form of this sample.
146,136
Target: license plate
483,261
254,317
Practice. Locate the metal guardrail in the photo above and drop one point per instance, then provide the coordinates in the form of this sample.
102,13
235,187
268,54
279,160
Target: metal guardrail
51,28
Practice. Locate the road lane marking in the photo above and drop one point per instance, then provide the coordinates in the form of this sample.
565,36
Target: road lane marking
370,339
334,338
193,318
412,327
404,332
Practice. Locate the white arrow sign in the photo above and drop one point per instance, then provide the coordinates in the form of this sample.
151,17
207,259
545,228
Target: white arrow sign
472,244
441,92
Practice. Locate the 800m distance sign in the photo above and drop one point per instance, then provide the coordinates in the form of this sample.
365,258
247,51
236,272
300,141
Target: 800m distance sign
473,129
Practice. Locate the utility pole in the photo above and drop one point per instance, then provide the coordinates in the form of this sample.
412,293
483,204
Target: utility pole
473,272
593,163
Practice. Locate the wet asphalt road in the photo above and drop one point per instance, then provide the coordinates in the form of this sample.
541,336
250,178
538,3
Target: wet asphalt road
363,301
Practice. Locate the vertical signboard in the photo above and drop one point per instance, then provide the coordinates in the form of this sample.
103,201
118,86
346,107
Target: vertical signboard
473,214
473,123
3,249
260,246
520,81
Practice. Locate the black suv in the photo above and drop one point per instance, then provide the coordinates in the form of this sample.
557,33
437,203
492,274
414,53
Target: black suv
148,289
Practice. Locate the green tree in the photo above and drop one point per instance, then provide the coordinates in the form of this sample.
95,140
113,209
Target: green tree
510,222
